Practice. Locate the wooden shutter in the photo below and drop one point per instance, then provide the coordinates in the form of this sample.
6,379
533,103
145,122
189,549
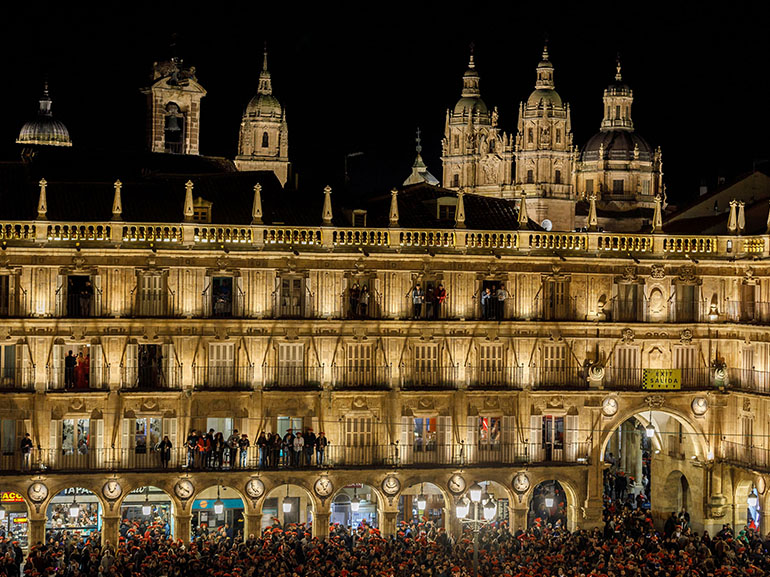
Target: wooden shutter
54,442
207,296
96,281
97,445
169,365
445,439
131,364
407,440
536,438
508,423
60,296
97,373
57,378
472,440
571,437
170,428
239,298
21,376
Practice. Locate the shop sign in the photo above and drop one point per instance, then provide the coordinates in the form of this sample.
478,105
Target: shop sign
11,497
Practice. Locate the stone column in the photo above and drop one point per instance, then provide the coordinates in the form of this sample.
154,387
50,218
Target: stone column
764,514
252,524
321,524
518,518
182,526
388,523
110,529
452,524
36,532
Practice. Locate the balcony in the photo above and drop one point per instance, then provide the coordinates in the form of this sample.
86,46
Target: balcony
223,305
750,380
155,304
751,312
632,379
556,309
223,377
300,377
757,458
93,378
14,379
495,378
354,309
435,377
145,458
151,378
355,377
558,378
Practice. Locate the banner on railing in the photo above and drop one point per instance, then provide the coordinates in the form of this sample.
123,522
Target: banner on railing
662,379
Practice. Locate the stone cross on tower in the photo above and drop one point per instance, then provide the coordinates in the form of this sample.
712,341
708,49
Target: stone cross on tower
326,215
256,208
117,202
42,203
393,208
189,212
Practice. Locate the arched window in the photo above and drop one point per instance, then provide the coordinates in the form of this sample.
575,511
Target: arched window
173,129
530,176
265,140
558,135
455,180
617,112
491,146
530,136
557,176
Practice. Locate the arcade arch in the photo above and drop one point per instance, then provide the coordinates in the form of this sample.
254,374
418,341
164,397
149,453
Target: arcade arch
287,504
147,508
217,508
354,505
74,511
423,502
14,517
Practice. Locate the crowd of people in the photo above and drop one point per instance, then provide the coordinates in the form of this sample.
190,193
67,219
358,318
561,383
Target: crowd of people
215,452
432,298
627,546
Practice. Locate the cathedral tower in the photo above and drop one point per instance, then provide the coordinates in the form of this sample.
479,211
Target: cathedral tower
476,155
619,166
544,153
263,142
173,104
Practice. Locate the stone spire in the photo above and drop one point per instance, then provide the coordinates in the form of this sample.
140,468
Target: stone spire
741,216
732,219
460,210
471,79
545,72
327,210
593,220
393,221
256,208
117,202
420,172
42,203
618,75
523,217
265,81
657,217
618,100
189,212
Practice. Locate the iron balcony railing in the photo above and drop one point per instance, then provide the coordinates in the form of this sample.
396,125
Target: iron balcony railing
745,312
17,379
749,380
556,309
94,378
744,455
633,378
152,377
419,376
367,308
492,377
160,304
292,377
149,457
559,377
223,377
357,377
220,305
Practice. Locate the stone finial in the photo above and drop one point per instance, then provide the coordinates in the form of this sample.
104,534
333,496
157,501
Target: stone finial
593,219
393,208
741,216
256,208
326,215
523,217
657,217
460,209
732,219
42,203
117,202
189,212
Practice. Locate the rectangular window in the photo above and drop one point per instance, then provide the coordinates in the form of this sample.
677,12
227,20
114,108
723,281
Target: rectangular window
552,435
358,432
456,141
8,367
626,371
749,303
646,187
491,365
221,369
426,364
556,300
686,304
617,186
557,176
80,296
530,135
359,218
222,425
530,176
554,362
147,433
5,295
558,135
589,186
617,112
446,212
8,436
627,303
685,359
286,423
221,295
425,436
292,297
489,431
747,432
455,180
291,357
75,436
151,295
359,363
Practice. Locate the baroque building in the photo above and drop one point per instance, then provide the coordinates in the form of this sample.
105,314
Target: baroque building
436,337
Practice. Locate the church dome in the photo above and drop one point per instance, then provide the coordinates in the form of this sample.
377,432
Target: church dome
546,96
616,145
264,105
44,130
470,105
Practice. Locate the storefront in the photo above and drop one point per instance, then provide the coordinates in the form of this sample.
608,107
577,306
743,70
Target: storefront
14,523
74,511
147,507
419,503
354,505
287,504
217,509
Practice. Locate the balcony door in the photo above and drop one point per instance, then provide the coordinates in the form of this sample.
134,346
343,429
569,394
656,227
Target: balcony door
552,435
426,367
221,371
360,364
555,299
554,364
291,358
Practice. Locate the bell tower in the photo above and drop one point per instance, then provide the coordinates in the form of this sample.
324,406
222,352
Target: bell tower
173,108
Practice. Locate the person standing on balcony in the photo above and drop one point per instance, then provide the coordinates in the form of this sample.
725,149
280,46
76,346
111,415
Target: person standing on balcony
26,452
219,450
192,445
86,294
320,448
353,296
208,458
201,450
363,303
310,440
275,450
430,300
232,445
262,444
501,295
439,301
165,451
486,296
299,450
288,448
418,296
70,362
244,445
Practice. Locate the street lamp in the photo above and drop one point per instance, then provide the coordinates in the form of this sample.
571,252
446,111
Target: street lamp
355,502
650,428
422,502
752,500
476,512
219,505
286,502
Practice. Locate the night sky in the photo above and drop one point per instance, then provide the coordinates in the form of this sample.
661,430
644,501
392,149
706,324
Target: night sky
355,78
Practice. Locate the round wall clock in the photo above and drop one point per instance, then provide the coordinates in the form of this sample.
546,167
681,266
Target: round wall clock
184,489
456,484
